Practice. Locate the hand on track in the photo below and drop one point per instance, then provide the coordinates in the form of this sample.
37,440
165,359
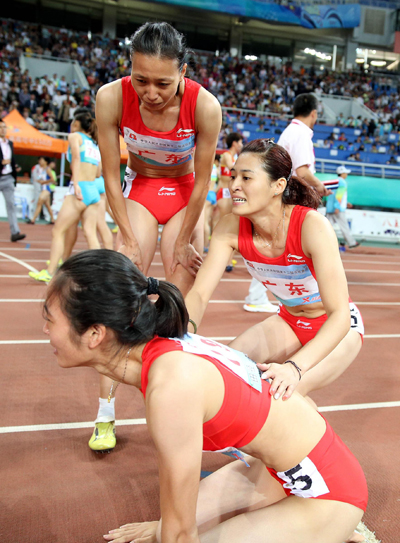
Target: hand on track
138,532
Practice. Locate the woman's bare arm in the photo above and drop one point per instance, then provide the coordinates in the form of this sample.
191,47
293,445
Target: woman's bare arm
208,124
223,242
108,112
175,414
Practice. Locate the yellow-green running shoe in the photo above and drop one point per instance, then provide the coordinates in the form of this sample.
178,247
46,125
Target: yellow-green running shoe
60,262
42,275
103,437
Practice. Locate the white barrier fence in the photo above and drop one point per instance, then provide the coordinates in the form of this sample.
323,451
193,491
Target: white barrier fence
25,202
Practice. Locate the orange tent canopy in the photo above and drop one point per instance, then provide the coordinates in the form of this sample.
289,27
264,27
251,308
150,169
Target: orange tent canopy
30,141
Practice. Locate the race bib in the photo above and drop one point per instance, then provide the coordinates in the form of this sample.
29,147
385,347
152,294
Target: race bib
236,361
304,480
357,323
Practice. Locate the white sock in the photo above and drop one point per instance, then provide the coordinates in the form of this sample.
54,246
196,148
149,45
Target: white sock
106,411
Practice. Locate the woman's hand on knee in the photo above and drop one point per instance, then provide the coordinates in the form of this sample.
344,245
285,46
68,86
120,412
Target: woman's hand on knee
134,253
187,256
138,532
283,378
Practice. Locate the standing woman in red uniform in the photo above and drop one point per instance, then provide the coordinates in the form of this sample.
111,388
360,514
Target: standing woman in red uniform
163,117
292,250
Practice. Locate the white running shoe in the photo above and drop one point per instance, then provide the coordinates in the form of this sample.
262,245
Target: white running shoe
261,308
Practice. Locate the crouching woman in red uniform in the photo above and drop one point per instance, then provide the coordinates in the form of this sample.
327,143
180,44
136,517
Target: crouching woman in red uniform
201,395
292,250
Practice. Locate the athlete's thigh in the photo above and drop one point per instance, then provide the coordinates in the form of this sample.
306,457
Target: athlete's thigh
271,340
233,489
70,212
294,519
145,229
89,216
333,365
101,210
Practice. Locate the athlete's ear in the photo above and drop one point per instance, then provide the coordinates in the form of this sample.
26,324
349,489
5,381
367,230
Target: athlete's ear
183,72
96,335
280,186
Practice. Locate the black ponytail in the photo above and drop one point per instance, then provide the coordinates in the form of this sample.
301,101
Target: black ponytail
299,192
88,124
105,287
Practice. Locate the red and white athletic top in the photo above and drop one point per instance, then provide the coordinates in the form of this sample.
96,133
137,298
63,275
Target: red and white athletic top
225,170
159,148
291,276
247,400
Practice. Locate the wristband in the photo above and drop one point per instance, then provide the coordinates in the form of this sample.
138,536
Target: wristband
296,366
194,326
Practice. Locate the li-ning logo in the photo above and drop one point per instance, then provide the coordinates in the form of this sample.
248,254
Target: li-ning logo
184,133
296,257
169,191
304,325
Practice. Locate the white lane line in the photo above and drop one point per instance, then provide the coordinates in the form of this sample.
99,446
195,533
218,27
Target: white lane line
372,271
23,341
64,426
371,262
355,407
137,422
26,260
217,338
374,284
41,300
18,261
21,300
16,276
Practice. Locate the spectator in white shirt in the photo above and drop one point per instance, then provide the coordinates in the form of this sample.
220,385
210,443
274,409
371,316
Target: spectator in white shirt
297,140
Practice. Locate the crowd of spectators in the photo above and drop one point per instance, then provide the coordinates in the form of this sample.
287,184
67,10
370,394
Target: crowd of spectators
48,102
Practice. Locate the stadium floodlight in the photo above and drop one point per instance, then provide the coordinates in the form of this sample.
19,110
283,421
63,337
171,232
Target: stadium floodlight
378,63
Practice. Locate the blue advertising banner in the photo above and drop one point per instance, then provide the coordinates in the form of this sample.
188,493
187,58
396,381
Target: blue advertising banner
317,16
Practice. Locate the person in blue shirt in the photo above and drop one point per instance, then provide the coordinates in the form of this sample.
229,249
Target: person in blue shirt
336,205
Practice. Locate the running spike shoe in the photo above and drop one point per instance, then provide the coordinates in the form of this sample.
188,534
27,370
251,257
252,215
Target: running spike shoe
60,262
103,437
42,275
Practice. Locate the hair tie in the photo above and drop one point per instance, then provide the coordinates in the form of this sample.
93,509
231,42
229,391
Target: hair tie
290,176
152,286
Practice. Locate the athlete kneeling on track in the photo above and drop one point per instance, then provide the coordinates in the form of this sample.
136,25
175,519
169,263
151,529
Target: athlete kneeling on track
200,394
293,251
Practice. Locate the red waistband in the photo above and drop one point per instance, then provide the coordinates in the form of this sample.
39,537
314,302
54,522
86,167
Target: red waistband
189,177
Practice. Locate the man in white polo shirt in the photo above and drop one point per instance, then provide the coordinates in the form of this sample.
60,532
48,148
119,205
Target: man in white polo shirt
297,140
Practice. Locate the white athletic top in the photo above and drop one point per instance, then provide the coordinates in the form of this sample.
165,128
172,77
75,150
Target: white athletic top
297,140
